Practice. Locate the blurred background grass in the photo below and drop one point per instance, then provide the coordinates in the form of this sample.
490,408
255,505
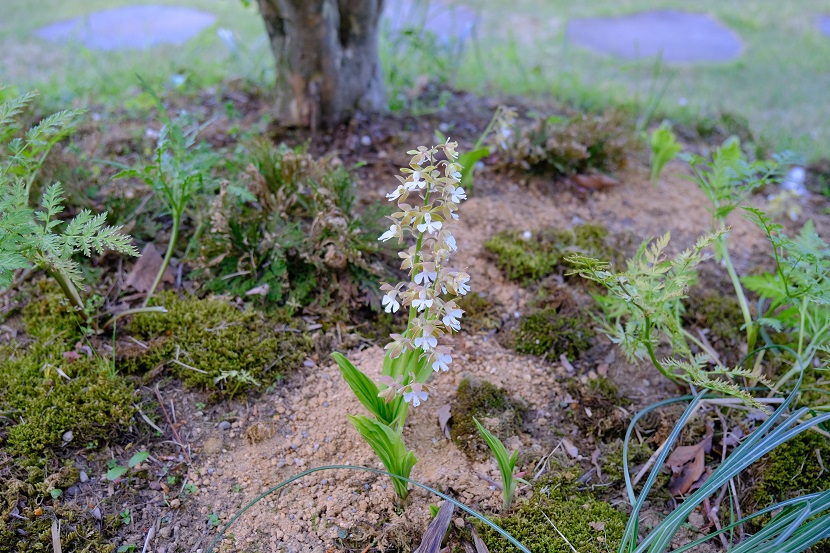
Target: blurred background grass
779,84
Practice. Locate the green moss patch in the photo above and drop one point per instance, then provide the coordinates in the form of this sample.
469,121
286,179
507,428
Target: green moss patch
793,469
483,400
481,313
526,259
590,525
217,345
550,332
48,388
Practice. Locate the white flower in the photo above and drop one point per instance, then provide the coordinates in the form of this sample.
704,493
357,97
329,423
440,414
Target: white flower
429,225
416,394
423,301
461,284
390,303
527,235
399,191
417,181
425,277
457,194
389,234
450,241
451,318
426,342
442,362
456,175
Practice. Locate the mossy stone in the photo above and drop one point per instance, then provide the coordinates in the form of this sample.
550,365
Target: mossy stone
589,524
230,349
483,400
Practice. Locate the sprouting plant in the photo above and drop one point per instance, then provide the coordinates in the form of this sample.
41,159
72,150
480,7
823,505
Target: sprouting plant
505,461
727,181
664,148
430,295
126,517
643,307
796,296
177,173
116,471
797,524
39,237
240,378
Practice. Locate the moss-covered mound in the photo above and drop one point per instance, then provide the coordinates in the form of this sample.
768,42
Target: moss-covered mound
483,400
55,388
524,256
596,408
794,468
481,313
547,331
212,344
590,525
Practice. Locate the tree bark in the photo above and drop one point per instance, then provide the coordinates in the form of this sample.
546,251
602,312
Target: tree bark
327,59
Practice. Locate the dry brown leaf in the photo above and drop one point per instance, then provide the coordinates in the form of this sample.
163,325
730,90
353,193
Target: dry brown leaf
146,268
443,413
595,181
437,529
598,526
687,466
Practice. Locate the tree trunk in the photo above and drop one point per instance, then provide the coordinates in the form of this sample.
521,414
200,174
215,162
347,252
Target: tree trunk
327,59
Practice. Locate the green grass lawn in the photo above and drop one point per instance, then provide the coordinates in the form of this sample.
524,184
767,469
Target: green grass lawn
779,84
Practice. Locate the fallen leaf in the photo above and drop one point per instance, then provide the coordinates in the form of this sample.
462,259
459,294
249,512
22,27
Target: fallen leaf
570,448
687,466
258,291
146,268
443,413
595,181
598,526
480,545
437,529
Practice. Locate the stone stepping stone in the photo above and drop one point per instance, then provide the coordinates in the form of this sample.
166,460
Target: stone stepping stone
680,36
447,21
824,24
130,27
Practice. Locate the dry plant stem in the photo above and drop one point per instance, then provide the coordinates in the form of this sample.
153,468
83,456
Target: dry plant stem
174,235
178,441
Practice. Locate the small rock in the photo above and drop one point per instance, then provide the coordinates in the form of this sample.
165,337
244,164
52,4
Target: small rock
72,491
459,522
68,436
175,503
83,477
224,425
155,486
365,140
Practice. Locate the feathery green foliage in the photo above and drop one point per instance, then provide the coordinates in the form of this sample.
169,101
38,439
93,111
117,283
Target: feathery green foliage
644,306
34,237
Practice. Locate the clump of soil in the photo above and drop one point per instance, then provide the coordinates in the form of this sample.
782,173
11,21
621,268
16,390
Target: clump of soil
589,524
482,400
215,345
596,408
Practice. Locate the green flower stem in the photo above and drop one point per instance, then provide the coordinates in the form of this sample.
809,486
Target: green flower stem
174,235
751,327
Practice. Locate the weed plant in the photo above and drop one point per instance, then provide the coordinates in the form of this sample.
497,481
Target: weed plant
39,237
298,239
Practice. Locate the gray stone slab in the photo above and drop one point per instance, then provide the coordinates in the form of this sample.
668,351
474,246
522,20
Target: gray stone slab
824,24
130,27
680,36
446,21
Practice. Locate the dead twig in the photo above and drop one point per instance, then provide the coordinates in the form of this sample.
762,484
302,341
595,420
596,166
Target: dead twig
178,437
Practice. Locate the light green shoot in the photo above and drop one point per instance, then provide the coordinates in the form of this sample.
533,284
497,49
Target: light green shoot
664,148
506,462
389,447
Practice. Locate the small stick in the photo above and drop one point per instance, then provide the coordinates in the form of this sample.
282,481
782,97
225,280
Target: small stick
150,534
561,535
147,420
172,426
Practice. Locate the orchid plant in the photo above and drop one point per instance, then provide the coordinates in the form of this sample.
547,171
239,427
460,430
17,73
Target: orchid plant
428,196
